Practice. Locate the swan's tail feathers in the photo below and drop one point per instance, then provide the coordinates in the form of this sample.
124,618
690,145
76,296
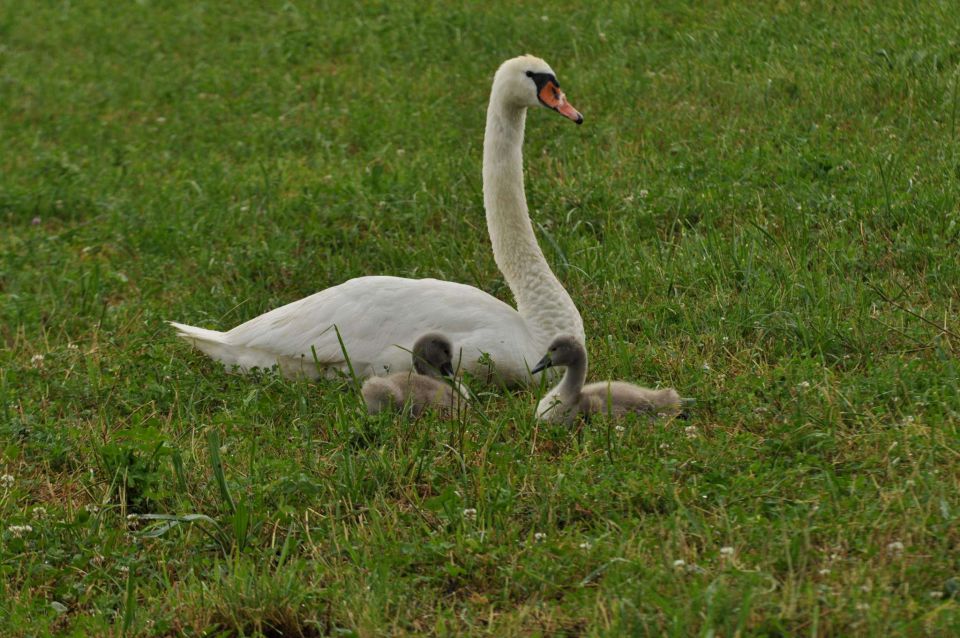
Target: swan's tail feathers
215,345
199,334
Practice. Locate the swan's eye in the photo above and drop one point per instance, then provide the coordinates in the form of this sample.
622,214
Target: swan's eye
529,74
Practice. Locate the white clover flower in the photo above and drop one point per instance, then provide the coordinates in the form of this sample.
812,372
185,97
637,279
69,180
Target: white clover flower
895,547
691,431
39,512
803,385
936,595
726,551
643,193
679,563
620,429
73,346
133,517
824,572
585,545
36,361
19,530
470,514
539,536
7,480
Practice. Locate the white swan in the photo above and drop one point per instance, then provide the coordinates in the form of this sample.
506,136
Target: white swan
422,388
375,315
615,399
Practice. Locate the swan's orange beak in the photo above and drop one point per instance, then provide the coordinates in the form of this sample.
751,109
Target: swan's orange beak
551,96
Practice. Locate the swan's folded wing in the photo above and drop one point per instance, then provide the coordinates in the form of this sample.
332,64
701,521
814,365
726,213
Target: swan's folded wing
374,315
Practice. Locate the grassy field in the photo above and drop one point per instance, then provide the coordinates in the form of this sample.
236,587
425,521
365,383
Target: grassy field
761,209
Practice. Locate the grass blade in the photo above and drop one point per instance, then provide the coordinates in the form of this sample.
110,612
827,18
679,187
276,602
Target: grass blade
213,441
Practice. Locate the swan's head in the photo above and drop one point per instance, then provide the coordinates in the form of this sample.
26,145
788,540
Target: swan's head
563,351
528,81
432,353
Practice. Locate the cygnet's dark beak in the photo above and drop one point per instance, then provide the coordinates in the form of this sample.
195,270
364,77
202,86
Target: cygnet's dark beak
446,369
543,364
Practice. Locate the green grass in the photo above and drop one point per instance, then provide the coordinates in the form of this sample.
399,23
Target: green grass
762,209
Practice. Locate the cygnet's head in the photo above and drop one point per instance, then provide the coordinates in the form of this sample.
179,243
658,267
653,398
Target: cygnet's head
528,81
432,353
563,351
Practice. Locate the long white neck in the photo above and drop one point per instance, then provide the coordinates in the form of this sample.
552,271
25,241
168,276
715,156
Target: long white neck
541,298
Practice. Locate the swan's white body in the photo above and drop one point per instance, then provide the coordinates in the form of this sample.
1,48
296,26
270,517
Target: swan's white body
379,318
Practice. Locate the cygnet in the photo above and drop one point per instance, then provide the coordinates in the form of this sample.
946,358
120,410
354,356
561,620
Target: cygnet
419,389
616,399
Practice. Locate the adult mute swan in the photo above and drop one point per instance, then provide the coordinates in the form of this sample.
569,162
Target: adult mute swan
422,388
615,399
379,318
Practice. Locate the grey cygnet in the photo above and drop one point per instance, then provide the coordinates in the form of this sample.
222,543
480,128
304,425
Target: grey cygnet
420,389
616,399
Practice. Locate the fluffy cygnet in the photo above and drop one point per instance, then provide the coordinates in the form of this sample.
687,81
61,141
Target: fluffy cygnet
421,388
613,398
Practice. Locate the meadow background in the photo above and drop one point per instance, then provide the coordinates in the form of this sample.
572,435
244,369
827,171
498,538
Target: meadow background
761,209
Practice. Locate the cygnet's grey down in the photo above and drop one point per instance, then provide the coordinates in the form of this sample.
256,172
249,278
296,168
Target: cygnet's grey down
616,399
421,388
